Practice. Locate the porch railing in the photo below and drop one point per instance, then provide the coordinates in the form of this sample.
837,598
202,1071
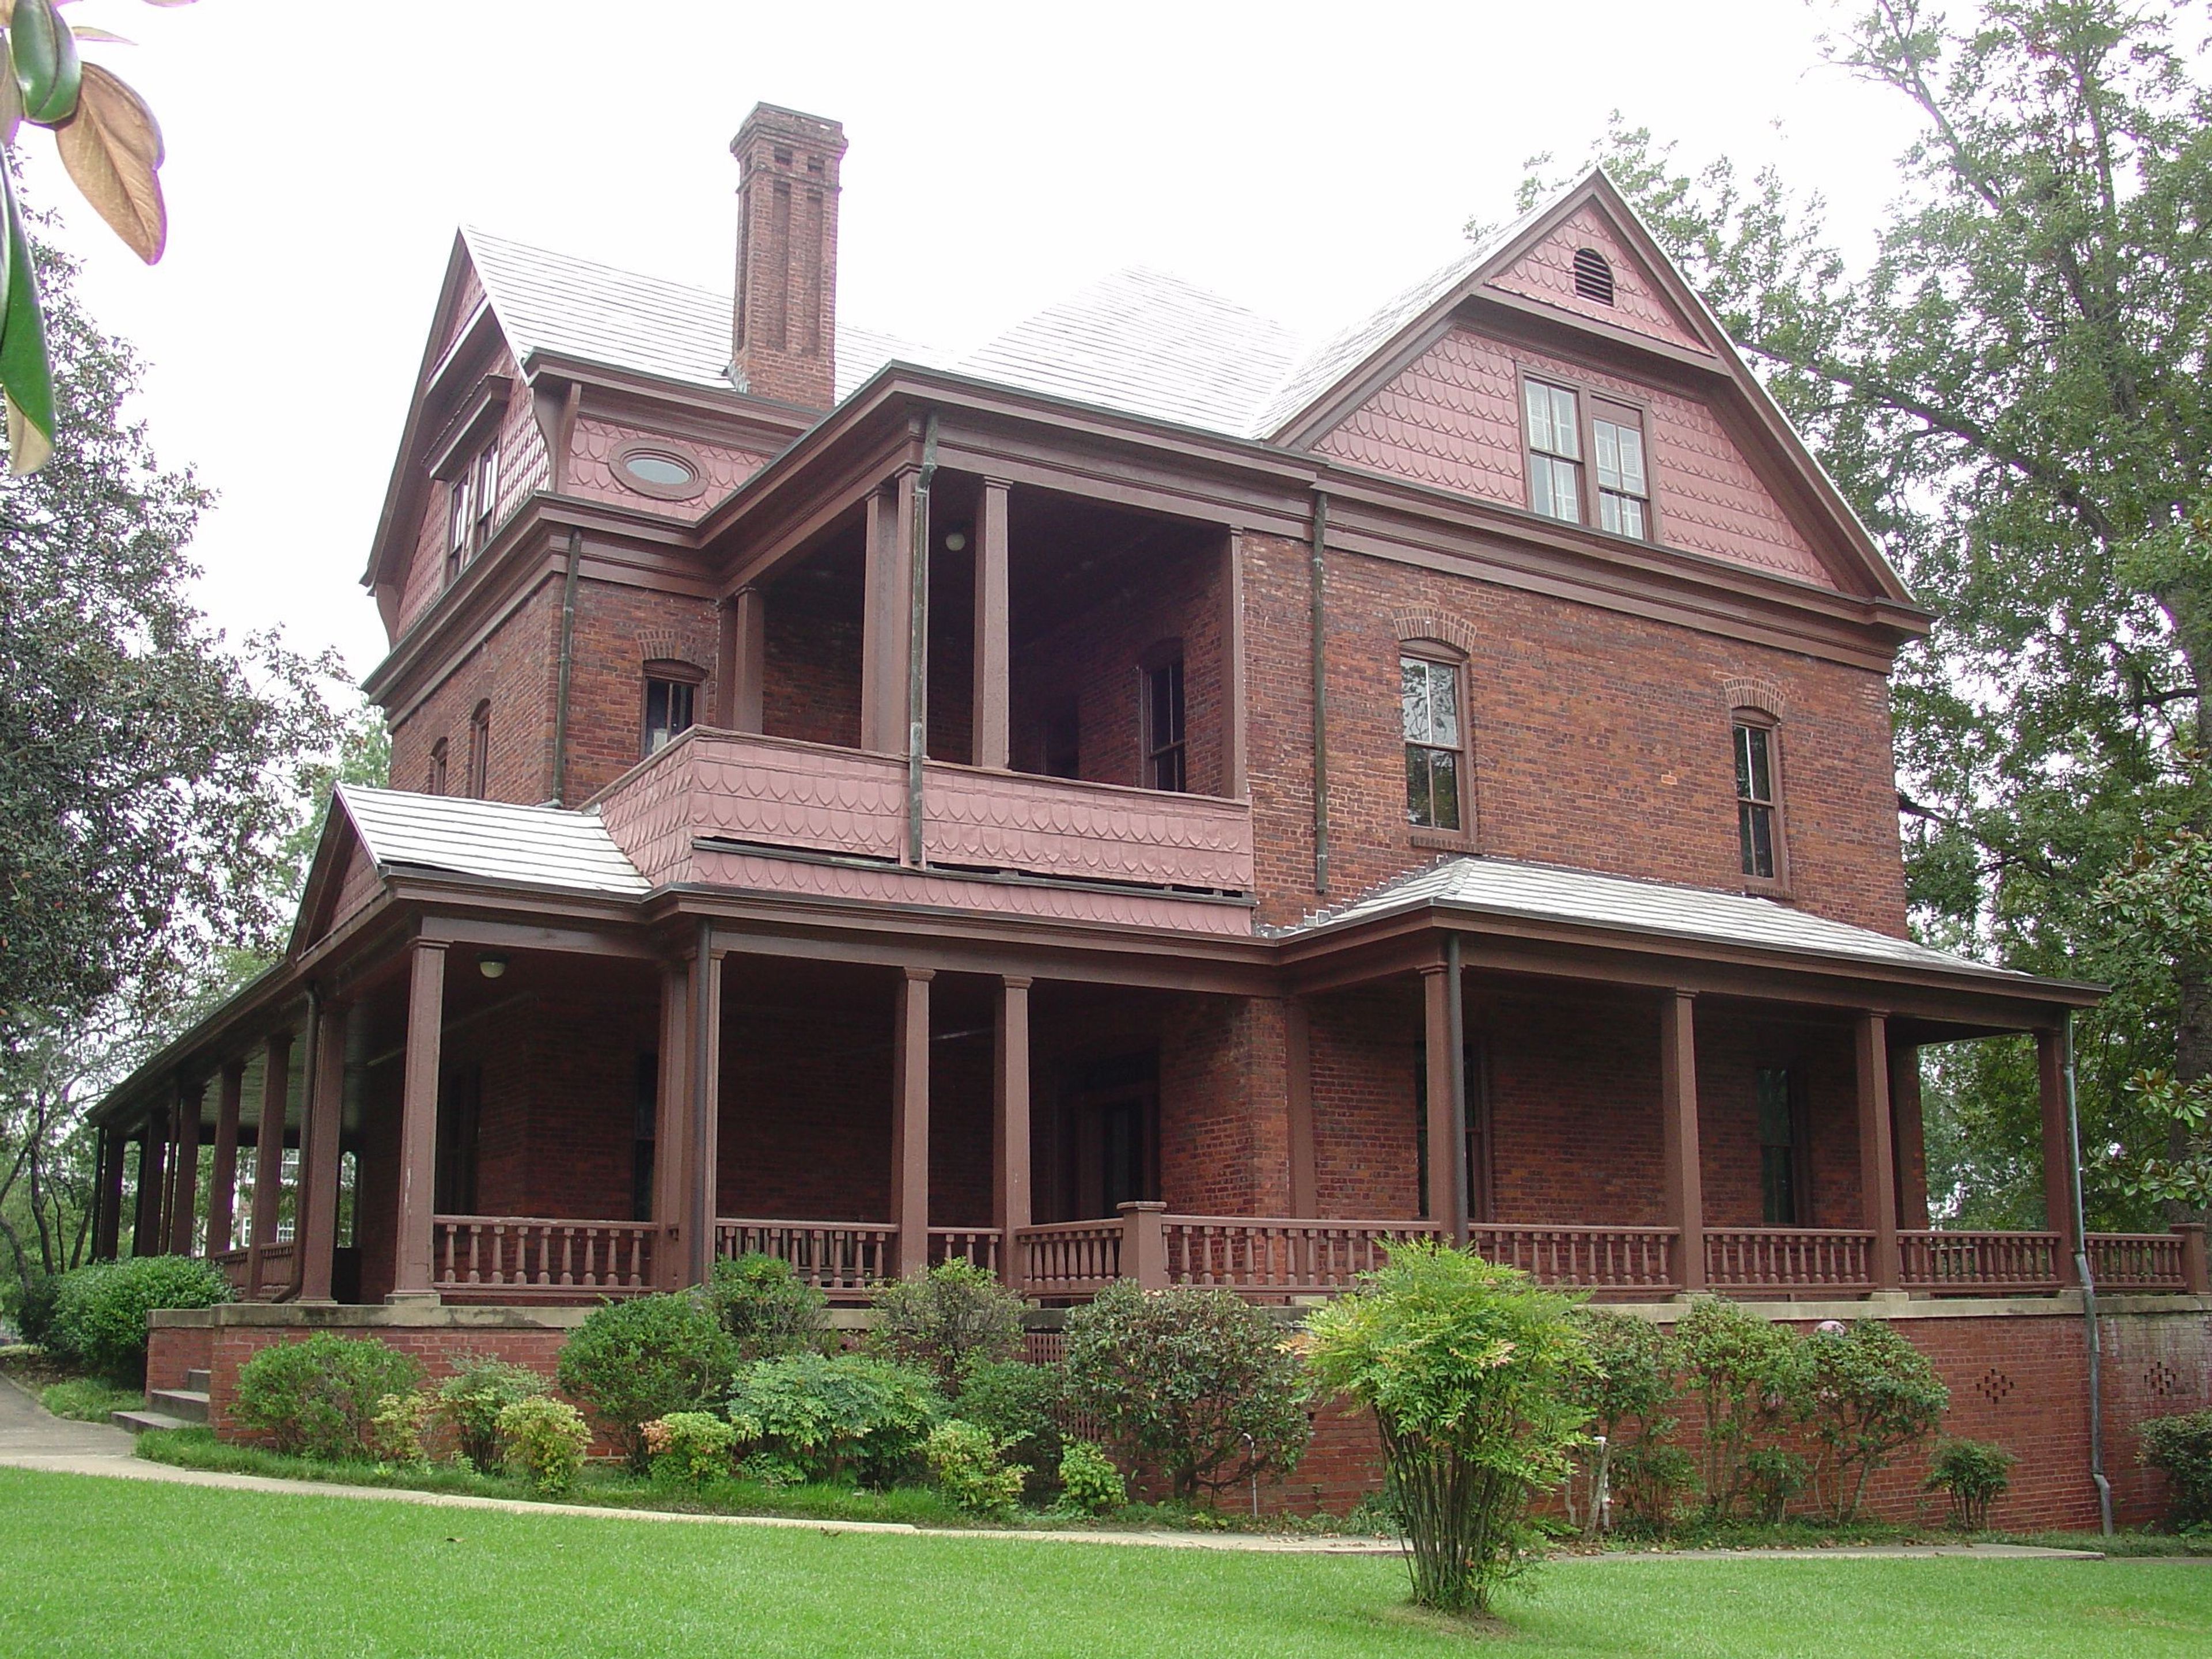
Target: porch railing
1979,1263
979,1247
275,1270
1068,1259
1789,1259
2137,1261
842,1259
527,1257
232,1263
1269,1257
1599,1258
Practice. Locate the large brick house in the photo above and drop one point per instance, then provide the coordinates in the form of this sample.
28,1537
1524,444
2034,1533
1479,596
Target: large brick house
1146,799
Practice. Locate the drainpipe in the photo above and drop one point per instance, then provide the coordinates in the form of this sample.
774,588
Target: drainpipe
567,661
2088,1284
917,645
1320,583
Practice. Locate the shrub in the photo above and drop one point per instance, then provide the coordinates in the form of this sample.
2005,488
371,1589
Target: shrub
1975,1474
1469,1370
1199,1379
30,1306
1632,1380
633,1361
397,1426
688,1450
2182,1446
767,1308
1867,1395
99,1311
1020,1405
816,1417
1650,1481
1748,1374
545,1441
1089,1482
1771,1477
971,1468
319,1397
953,1316
469,1403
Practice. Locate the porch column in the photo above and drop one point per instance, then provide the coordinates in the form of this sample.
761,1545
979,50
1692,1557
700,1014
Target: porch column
671,1130
268,1158
886,617
1680,1175
1447,1098
222,1173
411,1258
165,1222
993,715
1233,705
185,1184
107,1196
1908,1136
320,1156
2058,1150
146,1225
703,1073
1297,1055
1010,1125
1877,1157
910,1120
745,667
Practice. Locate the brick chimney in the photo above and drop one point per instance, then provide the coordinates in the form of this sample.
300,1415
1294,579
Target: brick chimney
785,327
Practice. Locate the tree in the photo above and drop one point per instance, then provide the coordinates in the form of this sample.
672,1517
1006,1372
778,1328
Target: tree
2011,395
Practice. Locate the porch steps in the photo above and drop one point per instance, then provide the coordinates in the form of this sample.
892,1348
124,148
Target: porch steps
185,1405
139,1421
197,1380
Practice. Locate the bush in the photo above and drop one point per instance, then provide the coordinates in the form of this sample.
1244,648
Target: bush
1748,1374
1020,1405
1975,1474
2182,1446
1650,1481
1089,1482
1470,1371
319,1397
816,1417
688,1450
633,1361
954,1315
1867,1395
767,1308
545,1441
30,1307
396,1427
971,1468
99,1317
1632,1379
1199,1379
1773,1477
469,1403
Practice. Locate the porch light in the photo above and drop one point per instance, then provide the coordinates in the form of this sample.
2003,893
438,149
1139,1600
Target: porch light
491,965
955,541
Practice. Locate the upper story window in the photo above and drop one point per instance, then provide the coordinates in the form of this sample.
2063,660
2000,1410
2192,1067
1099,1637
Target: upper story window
1165,747
1757,799
1430,704
436,783
669,708
472,496
1624,493
1555,451
479,774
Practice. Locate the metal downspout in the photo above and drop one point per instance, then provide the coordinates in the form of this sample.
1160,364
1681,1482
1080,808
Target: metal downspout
1320,585
2088,1284
567,660
917,645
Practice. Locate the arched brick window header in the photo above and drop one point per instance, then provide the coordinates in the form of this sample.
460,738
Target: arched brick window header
1440,627
668,645
1760,695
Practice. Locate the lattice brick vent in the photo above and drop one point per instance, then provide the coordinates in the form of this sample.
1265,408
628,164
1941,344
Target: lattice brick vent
2162,1381
1995,1385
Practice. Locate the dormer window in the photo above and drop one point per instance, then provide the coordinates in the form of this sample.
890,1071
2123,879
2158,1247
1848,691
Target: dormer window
474,495
1624,491
1555,451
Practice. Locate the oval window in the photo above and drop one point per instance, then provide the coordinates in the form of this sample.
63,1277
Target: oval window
650,466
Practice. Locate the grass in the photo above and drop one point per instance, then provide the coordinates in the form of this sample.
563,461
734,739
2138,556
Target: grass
88,1399
97,1567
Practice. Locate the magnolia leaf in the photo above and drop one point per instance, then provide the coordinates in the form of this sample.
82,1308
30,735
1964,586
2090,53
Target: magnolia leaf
44,55
25,376
106,37
112,147
12,101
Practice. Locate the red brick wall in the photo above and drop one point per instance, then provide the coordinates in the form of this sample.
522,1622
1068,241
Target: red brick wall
810,678
515,670
618,630
1224,1133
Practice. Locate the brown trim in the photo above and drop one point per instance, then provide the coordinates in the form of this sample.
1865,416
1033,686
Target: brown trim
454,449
1776,886
659,448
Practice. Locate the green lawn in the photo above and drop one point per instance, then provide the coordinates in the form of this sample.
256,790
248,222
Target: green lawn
104,1567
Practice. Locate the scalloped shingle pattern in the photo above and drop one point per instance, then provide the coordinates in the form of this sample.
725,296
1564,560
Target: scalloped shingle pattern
1546,273
591,469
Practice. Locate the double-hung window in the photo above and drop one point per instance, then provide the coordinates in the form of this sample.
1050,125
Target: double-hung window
1757,802
1429,698
1781,1158
1555,451
1623,492
1165,748
472,496
669,704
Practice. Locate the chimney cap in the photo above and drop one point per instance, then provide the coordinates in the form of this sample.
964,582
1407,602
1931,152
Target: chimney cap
793,126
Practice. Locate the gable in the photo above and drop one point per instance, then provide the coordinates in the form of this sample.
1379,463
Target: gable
1545,273
342,879
1452,419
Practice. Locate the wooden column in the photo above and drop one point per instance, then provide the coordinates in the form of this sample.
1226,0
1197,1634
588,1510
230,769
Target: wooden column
703,1145
1682,1176
1010,1124
672,1127
1298,1056
993,715
910,1120
320,1154
165,1223
1233,700
886,618
184,1183
1877,1157
222,1173
268,1157
146,1222
107,1196
747,622
1908,1136
419,1122
2058,1150
1447,1143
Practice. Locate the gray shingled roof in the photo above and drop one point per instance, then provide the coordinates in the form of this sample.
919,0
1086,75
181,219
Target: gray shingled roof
1544,892
536,846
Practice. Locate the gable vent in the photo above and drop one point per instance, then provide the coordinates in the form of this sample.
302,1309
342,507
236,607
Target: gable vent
1593,275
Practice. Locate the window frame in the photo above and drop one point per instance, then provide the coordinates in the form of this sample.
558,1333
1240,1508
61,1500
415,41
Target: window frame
1740,718
1165,658
1587,396
1438,654
672,672
477,778
471,498
435,784
1798,1108
1640,421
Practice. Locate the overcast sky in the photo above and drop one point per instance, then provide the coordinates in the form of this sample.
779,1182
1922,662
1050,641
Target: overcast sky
1307,162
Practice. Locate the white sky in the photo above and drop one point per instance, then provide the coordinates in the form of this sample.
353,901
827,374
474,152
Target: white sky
1307,162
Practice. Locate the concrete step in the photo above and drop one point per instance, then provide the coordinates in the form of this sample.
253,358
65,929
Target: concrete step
139,1421
197,1380
189,1403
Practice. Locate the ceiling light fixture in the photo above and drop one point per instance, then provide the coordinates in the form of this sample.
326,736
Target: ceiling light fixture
956,541
491,965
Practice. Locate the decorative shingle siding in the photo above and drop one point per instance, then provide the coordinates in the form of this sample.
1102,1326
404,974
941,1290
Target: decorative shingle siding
1546,272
